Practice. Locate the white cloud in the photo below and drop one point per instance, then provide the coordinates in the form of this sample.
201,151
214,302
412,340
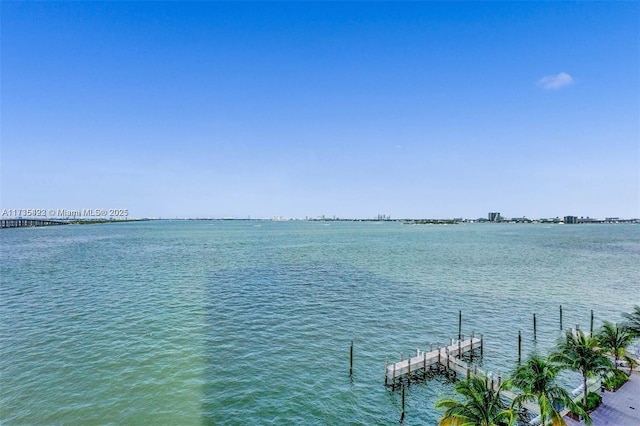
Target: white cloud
556,81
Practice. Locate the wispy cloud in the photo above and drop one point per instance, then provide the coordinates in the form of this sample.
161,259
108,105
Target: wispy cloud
556,81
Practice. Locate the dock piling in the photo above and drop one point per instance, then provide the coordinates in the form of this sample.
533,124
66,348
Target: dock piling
351,360
402,415
519,346
393,381
447,353
591,329
534,327
560,317
459,325
386,368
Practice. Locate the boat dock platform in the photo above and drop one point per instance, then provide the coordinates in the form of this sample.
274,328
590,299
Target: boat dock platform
446,357
448,360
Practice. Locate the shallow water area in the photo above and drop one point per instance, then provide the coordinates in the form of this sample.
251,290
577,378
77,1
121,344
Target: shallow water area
226,322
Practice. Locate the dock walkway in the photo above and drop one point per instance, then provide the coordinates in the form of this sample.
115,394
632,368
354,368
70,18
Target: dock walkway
441,357
449,360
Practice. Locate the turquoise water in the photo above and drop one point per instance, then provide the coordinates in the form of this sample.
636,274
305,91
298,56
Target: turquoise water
237,322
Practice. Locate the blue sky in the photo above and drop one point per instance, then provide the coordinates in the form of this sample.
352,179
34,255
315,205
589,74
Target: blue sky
304,109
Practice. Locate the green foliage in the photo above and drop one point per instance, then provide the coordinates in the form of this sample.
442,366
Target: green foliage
616,380
633,321
482,406
615,338
593,401
583,353
536,378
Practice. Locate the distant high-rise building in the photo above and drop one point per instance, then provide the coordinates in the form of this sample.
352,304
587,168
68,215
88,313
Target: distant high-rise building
570,219
494,216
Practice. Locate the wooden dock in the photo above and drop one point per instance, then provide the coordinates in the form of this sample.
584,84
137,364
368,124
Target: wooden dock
449,360
446,358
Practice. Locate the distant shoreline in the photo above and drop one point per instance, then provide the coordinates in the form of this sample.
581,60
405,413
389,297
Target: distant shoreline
30,223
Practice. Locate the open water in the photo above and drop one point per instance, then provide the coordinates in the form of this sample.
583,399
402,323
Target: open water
249,322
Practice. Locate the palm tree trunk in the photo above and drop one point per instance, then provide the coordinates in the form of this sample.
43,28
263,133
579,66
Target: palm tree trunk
586,391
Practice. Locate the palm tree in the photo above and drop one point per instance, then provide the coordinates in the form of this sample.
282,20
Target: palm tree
633,321
615,338
483,405
583,353
536,378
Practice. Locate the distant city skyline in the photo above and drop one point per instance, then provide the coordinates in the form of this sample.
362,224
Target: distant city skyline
411,110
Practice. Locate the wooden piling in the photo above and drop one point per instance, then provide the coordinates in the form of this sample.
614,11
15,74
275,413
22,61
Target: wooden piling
386,368
447,353
560,317
393,382
481,345
459,325
402,415
351,360
519,346
591,329
534,327
409,371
